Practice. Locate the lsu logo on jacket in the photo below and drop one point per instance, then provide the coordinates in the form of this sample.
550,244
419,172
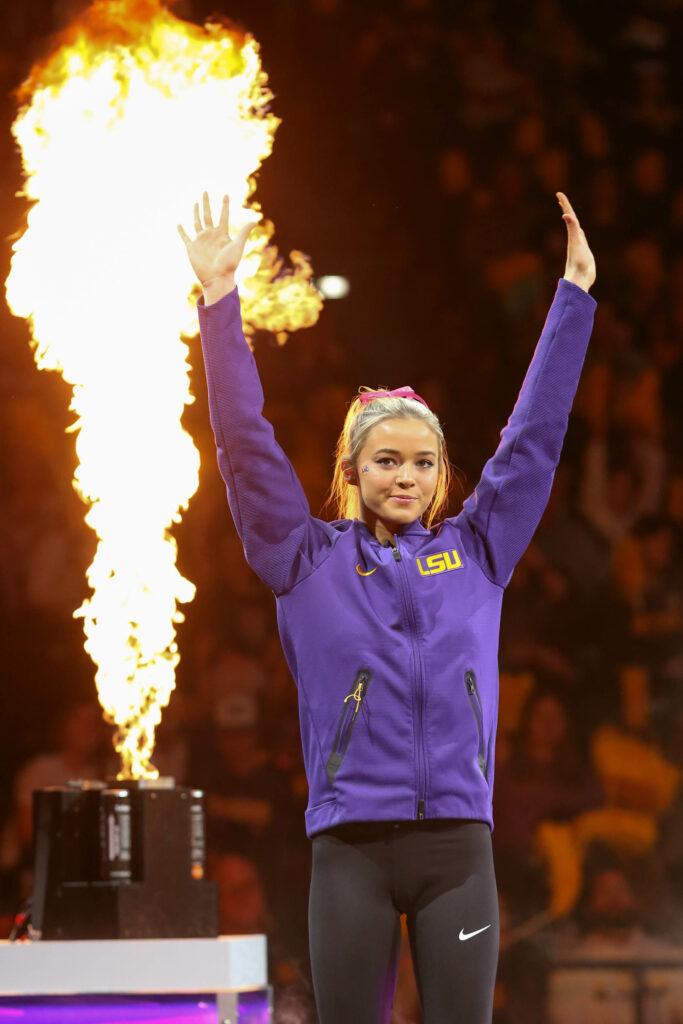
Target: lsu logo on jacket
443,561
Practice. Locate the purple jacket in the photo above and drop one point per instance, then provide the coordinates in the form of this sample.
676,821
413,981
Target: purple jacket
394,650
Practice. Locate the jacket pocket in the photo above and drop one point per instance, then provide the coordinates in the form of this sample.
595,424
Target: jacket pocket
351,705
475,703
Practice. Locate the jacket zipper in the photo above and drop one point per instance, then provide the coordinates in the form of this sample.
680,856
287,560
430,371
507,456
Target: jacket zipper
473,694
346,722
421,767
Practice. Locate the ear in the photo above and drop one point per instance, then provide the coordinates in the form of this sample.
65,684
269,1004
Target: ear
349,472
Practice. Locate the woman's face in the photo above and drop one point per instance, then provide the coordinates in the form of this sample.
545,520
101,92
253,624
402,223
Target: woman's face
397,470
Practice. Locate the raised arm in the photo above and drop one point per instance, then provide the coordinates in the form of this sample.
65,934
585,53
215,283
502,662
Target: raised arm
282,541
502,513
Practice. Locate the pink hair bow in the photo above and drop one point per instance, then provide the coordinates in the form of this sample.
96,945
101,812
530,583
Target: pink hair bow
404,392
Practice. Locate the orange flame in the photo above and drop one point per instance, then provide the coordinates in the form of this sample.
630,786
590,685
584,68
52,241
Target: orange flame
129,118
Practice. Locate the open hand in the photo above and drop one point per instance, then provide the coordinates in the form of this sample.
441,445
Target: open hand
580,268
213,254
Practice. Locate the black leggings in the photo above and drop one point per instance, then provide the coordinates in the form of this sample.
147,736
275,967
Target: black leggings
439,873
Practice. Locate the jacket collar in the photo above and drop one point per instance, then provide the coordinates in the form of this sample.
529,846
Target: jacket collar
415,529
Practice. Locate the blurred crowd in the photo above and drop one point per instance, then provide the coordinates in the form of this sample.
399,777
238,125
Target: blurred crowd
422,145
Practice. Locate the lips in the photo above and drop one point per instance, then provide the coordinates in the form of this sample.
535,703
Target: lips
403,497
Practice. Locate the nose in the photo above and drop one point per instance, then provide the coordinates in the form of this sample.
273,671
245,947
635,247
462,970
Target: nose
404,477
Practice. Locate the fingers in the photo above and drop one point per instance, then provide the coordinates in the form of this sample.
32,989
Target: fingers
564,203
225,215
207,211
246,231
568,214
242,236
208,220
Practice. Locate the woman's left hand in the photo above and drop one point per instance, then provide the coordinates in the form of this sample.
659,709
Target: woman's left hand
580,268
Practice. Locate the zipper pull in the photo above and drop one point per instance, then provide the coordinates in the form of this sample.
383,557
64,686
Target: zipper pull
395,551
420,809
469,681
356,695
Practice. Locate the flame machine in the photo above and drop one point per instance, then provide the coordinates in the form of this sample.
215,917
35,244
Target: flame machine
121,860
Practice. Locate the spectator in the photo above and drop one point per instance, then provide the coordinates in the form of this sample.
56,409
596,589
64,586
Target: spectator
609,926
649,575
79,753
539,606
243,910
615,492
546,777
248,802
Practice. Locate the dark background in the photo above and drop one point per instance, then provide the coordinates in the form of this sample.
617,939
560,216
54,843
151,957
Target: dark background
420,149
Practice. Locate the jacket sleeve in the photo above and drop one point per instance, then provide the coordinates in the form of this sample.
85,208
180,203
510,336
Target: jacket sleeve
282,541
503,511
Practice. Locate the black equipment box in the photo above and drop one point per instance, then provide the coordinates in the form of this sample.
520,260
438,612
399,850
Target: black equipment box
121,860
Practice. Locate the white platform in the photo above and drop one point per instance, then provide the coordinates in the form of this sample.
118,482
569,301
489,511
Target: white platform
229,963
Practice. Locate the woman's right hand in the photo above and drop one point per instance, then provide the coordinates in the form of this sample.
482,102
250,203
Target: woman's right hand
213,254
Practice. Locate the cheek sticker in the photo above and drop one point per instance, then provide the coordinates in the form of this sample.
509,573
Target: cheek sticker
366,469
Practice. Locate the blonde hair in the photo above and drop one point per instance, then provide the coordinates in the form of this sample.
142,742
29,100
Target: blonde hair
361,417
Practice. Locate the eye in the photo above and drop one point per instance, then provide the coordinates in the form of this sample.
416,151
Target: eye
427,462
384,459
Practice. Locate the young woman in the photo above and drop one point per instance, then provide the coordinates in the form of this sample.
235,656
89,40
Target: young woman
390,628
